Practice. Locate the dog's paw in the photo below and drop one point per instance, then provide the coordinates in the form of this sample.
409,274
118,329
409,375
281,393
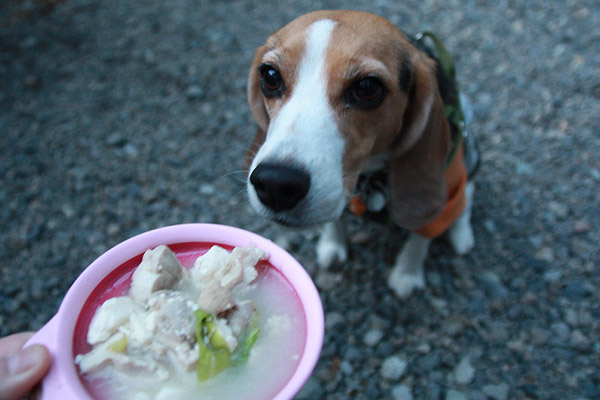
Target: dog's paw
330,252
404,284
462,238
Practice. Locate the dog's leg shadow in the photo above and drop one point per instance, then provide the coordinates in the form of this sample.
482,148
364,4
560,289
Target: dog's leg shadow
408,272
331,247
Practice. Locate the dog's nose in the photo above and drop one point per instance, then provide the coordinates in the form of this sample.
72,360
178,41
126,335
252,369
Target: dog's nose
280,187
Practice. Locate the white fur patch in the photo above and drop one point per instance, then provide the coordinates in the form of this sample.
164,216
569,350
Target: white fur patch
304,133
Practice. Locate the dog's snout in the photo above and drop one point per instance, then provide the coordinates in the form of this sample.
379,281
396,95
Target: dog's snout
280,187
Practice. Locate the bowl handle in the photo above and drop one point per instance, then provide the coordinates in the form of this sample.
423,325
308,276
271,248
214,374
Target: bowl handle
53,384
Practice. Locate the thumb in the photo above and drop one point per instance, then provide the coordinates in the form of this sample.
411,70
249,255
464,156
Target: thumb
21,371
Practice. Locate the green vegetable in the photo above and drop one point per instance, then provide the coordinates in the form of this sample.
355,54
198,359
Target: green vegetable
215,355
248,343
119,345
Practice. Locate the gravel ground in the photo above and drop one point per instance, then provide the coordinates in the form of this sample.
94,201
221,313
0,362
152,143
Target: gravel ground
121,116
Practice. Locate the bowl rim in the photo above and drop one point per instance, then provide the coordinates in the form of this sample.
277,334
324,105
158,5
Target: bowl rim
65,320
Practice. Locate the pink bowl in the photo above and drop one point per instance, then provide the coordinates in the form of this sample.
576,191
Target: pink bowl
61,334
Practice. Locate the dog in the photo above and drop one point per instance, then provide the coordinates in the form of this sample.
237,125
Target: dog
338,95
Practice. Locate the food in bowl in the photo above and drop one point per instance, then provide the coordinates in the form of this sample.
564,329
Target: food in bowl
219,325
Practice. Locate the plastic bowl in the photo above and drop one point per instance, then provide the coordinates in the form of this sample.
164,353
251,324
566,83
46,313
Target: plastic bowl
114,267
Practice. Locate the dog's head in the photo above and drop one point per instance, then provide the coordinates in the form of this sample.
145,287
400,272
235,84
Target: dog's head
328,91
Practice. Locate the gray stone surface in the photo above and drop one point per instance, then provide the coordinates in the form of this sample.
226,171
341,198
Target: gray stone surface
117,117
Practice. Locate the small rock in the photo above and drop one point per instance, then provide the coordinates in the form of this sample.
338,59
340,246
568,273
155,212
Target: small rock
455,395
208,189
490,226
523,168
553,276
571,317
373,337
346,368
328,280
561,331
545,254
424,348
401,392
582,226
580,341
116,139
497,392
333,319
194,92
493,285
130,150
558,209
464,373
393,368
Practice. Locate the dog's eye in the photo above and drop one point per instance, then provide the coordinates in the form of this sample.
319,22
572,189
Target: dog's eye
367,92
271,81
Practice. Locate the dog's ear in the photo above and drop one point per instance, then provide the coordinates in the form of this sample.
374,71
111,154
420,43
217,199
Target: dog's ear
418,157
255,95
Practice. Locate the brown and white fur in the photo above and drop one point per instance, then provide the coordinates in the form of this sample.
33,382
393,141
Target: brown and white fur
334,92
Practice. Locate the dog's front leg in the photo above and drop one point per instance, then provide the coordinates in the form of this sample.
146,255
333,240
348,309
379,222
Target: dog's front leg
408,272
461,233
331,247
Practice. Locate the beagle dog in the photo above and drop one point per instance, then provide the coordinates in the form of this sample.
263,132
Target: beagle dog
340,94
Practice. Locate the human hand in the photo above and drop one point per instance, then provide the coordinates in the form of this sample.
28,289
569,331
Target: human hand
20,368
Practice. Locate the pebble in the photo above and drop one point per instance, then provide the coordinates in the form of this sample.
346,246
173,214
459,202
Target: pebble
393,368
328,280
194,92
545,254
579,341
490,226
116,139
333,319
453,394
493,286
582,226
424,348
553,276
373,337
497,392
401,392
208,189
561,331
464,373
346,368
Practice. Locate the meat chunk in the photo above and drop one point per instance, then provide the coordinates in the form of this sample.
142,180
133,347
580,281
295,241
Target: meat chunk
241,316
175,321
211,266
248,257
215,299
229,269
109,317
112,352
159,269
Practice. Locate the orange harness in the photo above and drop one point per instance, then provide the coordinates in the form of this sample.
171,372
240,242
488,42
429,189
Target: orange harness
456,181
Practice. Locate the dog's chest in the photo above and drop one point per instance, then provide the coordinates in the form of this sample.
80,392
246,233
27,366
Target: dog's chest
371,193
